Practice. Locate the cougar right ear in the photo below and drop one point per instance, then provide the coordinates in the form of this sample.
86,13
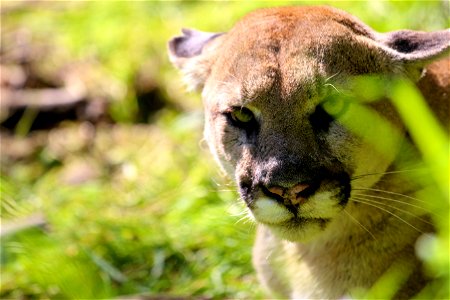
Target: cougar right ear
413,50
190,54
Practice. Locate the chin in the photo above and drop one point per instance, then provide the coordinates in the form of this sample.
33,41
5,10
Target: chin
298,229
285,224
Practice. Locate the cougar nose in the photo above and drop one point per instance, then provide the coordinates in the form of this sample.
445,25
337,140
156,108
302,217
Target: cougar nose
293,195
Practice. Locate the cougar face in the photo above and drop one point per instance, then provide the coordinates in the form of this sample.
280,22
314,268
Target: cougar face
265,84
278,121
291,161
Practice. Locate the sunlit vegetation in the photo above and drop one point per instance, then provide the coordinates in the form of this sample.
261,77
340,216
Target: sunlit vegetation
119,197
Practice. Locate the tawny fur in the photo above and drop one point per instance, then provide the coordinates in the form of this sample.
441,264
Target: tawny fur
277,65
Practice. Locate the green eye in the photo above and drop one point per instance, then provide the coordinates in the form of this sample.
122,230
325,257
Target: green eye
242,115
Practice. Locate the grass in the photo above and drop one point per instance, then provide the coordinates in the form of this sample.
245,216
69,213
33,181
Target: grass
150,213
129,230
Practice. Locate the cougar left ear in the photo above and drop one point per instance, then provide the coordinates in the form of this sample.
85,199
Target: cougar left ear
189,53
415,49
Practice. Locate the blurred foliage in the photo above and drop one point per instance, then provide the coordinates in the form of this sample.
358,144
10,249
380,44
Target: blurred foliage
433,143
142,225
129,208
429,170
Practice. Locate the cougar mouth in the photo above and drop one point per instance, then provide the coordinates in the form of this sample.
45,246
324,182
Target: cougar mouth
295,211
269,212
299,229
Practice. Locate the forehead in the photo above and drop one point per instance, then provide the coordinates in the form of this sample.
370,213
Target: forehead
269,55
264,87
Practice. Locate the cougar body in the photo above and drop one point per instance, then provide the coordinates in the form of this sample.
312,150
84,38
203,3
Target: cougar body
329,203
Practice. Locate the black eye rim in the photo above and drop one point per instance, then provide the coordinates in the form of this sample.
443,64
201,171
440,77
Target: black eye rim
320,119
236,122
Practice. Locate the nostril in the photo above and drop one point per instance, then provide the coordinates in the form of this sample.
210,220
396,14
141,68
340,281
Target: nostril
276,190
300,188
304,190
291,196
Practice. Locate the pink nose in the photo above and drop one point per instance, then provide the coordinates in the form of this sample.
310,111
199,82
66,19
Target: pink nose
291,195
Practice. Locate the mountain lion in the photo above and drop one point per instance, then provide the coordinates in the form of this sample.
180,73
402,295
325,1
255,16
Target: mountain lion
334,209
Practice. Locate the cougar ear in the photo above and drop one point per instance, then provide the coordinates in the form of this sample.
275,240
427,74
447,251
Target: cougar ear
192,54
415,49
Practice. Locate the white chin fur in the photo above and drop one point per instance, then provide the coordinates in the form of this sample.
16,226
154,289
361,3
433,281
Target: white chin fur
270,212
306,232
283,223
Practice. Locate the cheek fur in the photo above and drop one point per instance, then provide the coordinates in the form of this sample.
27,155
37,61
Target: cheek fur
222,143
359,157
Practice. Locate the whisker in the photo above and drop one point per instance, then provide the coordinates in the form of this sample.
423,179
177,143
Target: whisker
359,223
395,207
248,221
395,200
219,184
389,192
332,76
384,173
242,213
329,84
245,220
226,190
363,201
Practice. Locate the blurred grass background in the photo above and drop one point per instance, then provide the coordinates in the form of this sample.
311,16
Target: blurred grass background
115,195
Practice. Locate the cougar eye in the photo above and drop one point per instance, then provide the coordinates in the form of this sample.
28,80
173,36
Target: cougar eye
327,112
320,120
241,117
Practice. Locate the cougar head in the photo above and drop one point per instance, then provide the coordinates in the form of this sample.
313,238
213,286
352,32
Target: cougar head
265,88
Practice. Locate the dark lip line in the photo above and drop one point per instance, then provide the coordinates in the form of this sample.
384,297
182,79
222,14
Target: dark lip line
296,221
